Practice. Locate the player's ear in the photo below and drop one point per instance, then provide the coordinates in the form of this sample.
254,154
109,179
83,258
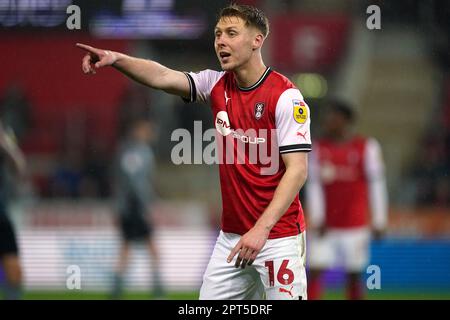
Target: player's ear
258,41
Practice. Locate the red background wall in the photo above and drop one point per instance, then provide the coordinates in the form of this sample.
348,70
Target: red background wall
48,67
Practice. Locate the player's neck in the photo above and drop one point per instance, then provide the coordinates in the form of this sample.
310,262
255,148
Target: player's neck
249,74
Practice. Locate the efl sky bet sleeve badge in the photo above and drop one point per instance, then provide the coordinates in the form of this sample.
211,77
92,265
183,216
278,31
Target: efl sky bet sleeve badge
259,110
300,111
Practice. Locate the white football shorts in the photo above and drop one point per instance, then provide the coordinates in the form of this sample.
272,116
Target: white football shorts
346,248
278,273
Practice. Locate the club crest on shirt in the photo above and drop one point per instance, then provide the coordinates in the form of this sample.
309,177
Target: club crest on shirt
300,111
259,110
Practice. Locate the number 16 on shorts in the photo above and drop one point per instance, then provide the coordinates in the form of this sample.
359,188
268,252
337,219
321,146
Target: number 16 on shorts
286,279
285,276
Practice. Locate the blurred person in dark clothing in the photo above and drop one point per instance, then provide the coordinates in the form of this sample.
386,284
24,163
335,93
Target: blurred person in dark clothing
15,110
135,167
11,161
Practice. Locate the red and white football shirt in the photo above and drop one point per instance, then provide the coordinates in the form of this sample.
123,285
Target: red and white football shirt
251,123
346,181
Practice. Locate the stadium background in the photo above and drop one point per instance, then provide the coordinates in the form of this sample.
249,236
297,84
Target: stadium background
69,125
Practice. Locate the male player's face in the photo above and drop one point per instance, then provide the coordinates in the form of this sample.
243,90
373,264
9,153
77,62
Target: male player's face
234,42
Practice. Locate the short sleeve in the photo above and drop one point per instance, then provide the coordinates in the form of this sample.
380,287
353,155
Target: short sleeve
201,84
373,160
378,195
292,120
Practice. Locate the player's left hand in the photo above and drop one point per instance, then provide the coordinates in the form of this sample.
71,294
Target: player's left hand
249,246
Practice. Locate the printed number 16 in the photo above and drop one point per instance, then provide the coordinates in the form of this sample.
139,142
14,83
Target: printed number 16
284,276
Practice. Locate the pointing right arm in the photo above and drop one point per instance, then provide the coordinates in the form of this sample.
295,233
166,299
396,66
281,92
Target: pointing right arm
146,72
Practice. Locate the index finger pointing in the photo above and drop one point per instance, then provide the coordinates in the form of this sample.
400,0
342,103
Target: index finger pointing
87,48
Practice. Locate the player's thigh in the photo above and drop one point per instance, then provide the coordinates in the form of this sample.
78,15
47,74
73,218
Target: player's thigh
321,253
223,281
282,268
354,244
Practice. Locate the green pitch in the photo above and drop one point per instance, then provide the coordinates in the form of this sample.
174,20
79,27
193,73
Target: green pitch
80,295
335,295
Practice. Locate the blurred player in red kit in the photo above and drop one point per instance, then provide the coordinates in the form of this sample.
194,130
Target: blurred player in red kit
254,108
346,183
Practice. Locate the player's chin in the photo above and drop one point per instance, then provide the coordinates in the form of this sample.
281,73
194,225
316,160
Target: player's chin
227,66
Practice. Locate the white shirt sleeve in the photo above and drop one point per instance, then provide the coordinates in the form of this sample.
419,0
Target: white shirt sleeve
292,120
315,198
378,197
201,83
